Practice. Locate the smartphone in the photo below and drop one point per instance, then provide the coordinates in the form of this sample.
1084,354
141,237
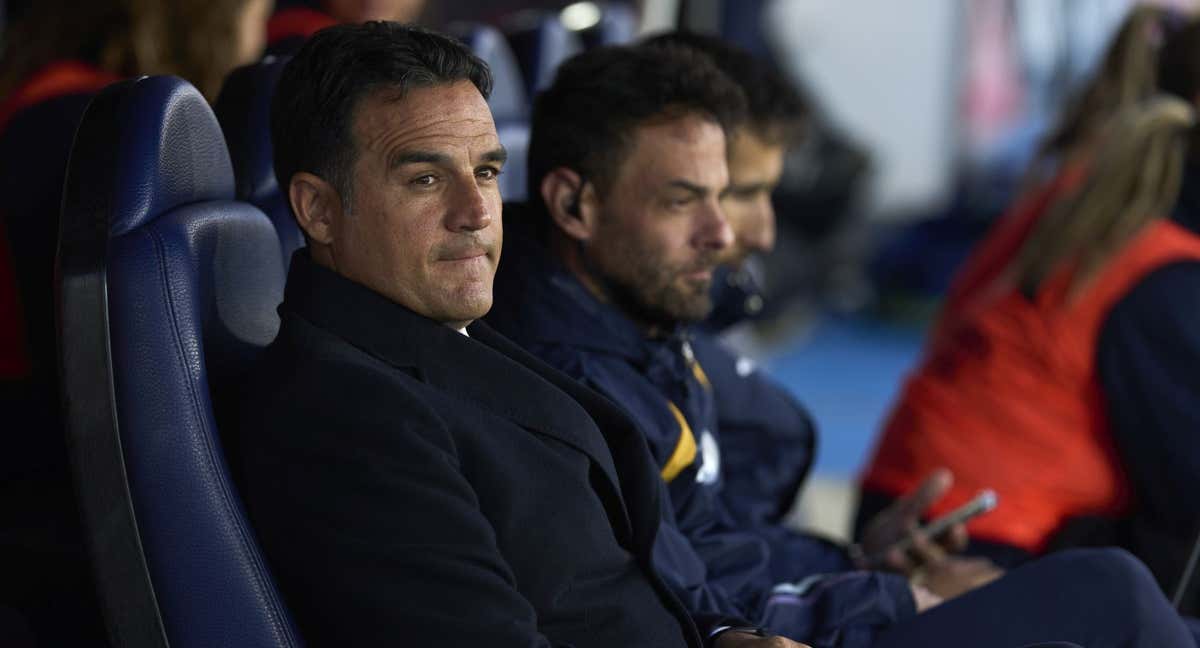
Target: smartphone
982,503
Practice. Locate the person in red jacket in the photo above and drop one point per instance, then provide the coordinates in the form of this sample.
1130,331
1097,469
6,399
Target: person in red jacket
1014,392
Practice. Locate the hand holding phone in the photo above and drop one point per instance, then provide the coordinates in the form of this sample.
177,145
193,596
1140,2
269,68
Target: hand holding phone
983,502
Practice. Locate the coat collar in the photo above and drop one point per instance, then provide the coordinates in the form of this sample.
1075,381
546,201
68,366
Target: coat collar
484,368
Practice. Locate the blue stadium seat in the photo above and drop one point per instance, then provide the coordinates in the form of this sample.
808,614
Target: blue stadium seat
244,110
509,102
168,290
618,26
541,42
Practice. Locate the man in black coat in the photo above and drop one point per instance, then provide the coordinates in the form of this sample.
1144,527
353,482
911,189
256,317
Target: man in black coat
416,479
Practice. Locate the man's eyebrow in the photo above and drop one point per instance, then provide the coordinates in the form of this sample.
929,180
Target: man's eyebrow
496,156
418,157
689,187
749,187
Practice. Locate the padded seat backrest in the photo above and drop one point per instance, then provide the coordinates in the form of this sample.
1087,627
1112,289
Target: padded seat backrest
541,42
509,102
618,26
168,288
244,110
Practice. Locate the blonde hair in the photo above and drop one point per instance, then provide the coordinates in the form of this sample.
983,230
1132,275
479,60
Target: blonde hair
194,39
201,41
1127,75
1135,178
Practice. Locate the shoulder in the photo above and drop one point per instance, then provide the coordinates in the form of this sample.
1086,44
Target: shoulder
1165,302
311,386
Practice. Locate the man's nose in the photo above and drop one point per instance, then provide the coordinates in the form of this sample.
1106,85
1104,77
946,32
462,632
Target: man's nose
714,232
758,232
470,210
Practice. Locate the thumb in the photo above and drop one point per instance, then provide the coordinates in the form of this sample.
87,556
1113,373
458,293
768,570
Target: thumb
929,491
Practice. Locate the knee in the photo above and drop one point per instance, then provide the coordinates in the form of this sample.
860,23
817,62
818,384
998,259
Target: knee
1110,565
1114,574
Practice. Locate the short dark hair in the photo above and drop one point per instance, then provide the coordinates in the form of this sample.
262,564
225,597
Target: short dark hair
584,120
320,88
777,109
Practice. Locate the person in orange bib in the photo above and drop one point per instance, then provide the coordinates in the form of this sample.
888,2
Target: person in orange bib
1062,372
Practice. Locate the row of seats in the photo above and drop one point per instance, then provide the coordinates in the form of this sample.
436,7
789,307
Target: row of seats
172,257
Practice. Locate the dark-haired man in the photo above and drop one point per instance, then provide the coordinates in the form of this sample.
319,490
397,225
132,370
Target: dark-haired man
766,438
604,270
414,478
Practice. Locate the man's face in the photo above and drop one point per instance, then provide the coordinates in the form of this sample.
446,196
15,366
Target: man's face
425,225
660,229
755,166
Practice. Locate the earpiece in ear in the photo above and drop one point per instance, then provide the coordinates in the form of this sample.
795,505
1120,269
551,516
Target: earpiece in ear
572,207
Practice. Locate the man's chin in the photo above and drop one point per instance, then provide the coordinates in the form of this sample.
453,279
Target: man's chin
690,310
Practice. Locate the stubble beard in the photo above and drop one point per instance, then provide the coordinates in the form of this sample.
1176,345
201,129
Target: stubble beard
653,293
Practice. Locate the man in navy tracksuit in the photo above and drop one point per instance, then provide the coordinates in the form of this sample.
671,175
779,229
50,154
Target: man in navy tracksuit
600,276
767,438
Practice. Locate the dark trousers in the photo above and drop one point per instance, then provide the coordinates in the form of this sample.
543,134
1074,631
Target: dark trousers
1097,598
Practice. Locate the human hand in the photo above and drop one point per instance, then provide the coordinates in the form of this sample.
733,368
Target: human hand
734,639
924,598
956,575
900,522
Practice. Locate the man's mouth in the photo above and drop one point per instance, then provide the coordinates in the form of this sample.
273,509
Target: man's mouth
463,253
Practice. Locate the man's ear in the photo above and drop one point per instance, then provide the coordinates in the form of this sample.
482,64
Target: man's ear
316,205
571,202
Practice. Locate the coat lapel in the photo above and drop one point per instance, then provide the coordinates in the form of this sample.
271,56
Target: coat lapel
486,368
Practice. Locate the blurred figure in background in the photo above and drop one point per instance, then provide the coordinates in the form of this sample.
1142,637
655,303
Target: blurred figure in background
56,58
1125,77
1062,370
295,20
766,441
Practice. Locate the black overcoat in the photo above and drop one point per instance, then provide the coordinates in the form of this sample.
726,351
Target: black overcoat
412,486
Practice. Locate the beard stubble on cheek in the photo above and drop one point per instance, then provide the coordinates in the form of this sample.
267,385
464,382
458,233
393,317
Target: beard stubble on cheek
661,291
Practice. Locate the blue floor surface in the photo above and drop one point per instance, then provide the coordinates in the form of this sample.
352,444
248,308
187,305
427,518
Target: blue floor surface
848,372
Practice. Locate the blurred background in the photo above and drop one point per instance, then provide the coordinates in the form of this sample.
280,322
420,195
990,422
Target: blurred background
927,114
924,118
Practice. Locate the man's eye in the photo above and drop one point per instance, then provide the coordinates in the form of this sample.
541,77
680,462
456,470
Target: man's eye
488,173
424,181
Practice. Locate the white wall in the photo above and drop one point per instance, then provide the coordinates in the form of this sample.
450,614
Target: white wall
886,71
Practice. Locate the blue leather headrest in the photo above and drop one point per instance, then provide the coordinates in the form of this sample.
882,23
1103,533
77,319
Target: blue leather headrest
170,153
618,26
508,101
244,110
541,42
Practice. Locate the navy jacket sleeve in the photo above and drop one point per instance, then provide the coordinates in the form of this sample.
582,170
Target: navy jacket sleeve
717,564
1148,359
